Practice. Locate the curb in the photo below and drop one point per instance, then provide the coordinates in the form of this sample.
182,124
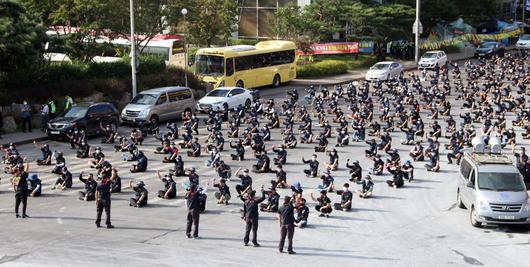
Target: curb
24,142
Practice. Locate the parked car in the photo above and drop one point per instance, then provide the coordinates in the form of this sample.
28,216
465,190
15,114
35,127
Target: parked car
492,189
490,48
432,59
84,116
523,42
384,70
159,104
225,97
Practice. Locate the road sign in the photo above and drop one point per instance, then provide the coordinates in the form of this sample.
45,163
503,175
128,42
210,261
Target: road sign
414,28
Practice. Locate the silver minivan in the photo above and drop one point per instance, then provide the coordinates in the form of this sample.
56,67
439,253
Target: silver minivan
159,104
492,189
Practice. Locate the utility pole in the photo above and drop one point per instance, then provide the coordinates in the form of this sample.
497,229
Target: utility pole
184,12
417,29
133,49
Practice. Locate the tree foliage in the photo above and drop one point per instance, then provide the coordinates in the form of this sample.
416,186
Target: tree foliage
208,19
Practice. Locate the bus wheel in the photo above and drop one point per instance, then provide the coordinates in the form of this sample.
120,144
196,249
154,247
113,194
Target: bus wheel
240,84
276,81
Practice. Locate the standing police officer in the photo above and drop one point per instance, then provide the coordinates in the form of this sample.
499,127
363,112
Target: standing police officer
192,203
251,216
286,212
103,202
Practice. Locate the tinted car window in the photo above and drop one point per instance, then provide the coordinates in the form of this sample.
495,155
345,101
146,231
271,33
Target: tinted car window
174,96
162,99
465,168
237,91
97,110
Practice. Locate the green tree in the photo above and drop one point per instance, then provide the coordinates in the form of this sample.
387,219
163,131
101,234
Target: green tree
288,23
208,19
21,39
323,18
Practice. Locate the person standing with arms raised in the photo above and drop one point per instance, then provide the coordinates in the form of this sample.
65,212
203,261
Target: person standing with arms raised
251,216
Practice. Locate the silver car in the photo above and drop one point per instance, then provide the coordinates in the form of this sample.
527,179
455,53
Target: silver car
159,104
492,189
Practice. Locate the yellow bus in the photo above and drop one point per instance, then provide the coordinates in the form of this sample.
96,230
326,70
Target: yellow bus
247,66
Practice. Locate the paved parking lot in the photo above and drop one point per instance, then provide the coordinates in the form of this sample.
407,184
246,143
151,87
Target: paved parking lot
417,225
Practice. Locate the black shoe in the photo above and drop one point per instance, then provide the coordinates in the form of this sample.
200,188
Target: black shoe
196,237
256,245
18,216
110,226
188,236
25,216
245,245
292,252
280,250
98,225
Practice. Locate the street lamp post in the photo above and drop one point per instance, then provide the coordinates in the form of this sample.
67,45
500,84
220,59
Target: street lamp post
417,27
184,12
133,49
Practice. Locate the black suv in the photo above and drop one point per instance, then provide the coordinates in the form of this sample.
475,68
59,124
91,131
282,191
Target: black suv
86,117
490,48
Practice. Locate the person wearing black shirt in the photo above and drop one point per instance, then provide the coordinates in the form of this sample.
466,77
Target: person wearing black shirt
20,186
251,216
282,155
141,163
115,182
324,204
246,182
195,149
273,199
83,150
313,166
35,185
192,203
103,202
65,180
356,170
281,177
302,213
346,198
287,221
223,195
170,186
141,194
90,188
178,170
240,151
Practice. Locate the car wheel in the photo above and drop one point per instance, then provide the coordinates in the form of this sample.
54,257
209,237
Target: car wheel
240,84
473,218
459,200
276,81
248,103
155,120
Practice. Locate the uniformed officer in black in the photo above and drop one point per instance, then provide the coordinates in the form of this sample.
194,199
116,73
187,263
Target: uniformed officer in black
251,216
192,203
286,212
103,201
20,186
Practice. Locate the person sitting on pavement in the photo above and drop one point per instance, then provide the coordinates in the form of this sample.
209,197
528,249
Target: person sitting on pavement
64,181
327,181
141,163
356,170
195,150
97,158
35,185
46,154
346,198
408,171
83,151
137,137
333,163
302,214
417,152
223,170
273,201
313,166
109,133
281,154
367,187
178,169
246,182
60,162
173,154
324,204
434,162
89,193
263,165
115,182
170,186
141,194
240,150
397,177
378,166
281,177
223,194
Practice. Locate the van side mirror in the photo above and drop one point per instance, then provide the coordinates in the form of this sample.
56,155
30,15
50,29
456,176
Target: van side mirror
470,184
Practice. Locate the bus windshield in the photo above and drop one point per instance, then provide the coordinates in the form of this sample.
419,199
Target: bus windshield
207,65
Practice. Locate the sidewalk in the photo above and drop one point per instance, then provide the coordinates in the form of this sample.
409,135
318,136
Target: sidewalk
20,138
357,75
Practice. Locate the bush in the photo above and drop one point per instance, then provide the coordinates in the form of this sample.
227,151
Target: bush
323,68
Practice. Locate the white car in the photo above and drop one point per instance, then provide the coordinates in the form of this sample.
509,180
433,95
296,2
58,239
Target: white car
432,59
225,97
384,70
523,42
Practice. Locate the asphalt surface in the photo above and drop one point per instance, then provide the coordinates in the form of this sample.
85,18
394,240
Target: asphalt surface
417,225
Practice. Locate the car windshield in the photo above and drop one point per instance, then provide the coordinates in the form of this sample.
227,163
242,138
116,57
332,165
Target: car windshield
487,45
144,99
76,112
525,37
207,65
500,181
218,93
430,55
381,66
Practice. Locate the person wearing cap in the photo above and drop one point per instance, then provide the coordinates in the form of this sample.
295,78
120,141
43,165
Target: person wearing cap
356,170
416,152
324,203
178,168
263,165
327,181
141,163
343,139
240,150
193,177
302,214
322,143
223,170
115,181
60,162
195,149
223,193
346,198
246,181
397,177
434,162
367,187
281,154
141,194
378,166
170,186
281,177
193,205
20,186
90,187
333,163
287,221
103,201
372,151
456,152
408,171
273,200
173,154
313,166
251,216
83,150
46,154
35,185
65,180
97,158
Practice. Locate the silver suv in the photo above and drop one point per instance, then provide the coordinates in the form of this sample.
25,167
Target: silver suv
492,189
159,104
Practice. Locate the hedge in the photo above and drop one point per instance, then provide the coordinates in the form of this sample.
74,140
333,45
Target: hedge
323,68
